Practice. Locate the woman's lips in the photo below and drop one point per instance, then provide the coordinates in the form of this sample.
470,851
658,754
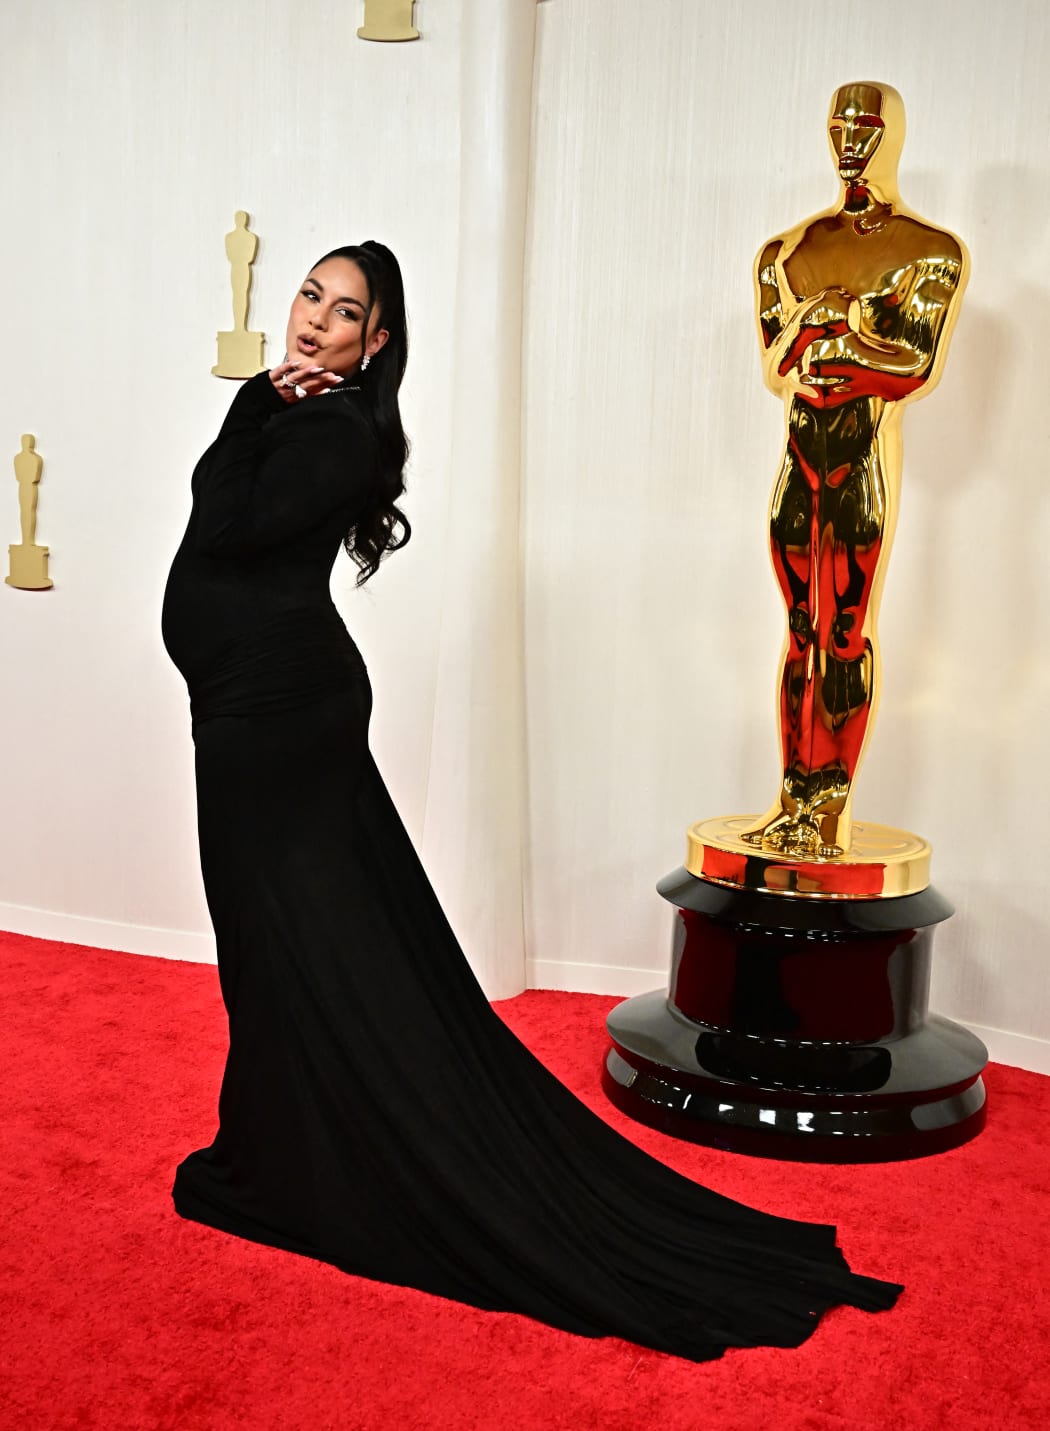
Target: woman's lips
307,346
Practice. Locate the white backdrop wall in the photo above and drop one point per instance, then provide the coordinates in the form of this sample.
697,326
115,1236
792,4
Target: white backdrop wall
140,130
612,463
671,140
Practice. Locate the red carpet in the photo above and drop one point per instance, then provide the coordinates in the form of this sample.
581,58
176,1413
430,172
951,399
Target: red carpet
118,1315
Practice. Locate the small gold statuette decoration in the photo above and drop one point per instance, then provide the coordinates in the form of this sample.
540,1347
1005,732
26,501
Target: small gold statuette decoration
240,352
855,309
28,562
388,20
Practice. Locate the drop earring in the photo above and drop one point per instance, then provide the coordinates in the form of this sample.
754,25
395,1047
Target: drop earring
365,362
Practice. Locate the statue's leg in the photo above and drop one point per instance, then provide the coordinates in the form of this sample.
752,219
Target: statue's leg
829,534
793,529
27,512
241,282
846,664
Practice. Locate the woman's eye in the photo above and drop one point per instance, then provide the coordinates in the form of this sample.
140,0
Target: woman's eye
349,313
308,293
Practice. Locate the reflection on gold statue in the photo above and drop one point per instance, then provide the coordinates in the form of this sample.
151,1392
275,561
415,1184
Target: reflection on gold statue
240,352
855,309
28,568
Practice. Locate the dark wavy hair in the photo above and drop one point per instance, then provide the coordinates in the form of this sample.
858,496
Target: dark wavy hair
381,527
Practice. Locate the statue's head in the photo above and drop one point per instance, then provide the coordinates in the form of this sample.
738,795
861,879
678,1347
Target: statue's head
866,130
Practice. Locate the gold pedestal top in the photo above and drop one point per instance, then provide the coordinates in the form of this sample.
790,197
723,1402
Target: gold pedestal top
882,863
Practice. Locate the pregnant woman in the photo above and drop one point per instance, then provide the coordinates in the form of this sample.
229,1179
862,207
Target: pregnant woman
375,1113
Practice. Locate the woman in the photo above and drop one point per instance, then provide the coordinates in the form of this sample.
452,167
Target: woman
375,1113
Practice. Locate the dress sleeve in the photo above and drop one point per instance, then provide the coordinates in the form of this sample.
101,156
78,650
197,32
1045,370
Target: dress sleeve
264,483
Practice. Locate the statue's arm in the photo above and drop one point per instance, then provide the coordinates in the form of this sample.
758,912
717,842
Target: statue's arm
898,329
786,325
769,301
28,474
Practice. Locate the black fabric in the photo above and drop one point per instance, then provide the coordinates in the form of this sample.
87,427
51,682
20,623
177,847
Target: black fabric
375,1113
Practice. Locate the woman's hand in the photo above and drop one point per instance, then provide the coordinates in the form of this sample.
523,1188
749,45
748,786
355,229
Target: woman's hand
294,381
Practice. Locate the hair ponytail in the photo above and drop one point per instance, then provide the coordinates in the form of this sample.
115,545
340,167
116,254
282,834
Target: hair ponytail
382,527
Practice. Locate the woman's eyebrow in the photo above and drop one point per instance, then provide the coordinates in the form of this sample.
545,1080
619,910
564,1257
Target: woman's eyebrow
318,284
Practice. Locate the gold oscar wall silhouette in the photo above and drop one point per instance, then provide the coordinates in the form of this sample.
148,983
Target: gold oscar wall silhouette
388,20
28,561
240,351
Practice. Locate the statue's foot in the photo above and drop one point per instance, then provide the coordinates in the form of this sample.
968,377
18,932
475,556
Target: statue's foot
794,835
786,834
802,832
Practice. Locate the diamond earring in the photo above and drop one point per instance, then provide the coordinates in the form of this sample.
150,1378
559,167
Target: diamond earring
365,362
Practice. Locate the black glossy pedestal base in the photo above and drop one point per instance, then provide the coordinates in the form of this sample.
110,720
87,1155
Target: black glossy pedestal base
798,1028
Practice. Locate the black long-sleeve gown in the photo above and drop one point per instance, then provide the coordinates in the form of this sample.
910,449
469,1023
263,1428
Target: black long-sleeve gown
375,1113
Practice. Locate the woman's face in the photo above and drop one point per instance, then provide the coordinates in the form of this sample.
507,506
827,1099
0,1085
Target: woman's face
326,323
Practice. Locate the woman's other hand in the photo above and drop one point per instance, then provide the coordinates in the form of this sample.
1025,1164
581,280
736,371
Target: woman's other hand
294,381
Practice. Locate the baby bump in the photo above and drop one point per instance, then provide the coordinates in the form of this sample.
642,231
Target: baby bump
288,660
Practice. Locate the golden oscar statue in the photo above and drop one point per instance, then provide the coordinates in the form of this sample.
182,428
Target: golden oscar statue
855,309
28,562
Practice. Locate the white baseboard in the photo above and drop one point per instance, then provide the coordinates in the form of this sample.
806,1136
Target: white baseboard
104,934
1016,1050
592,978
